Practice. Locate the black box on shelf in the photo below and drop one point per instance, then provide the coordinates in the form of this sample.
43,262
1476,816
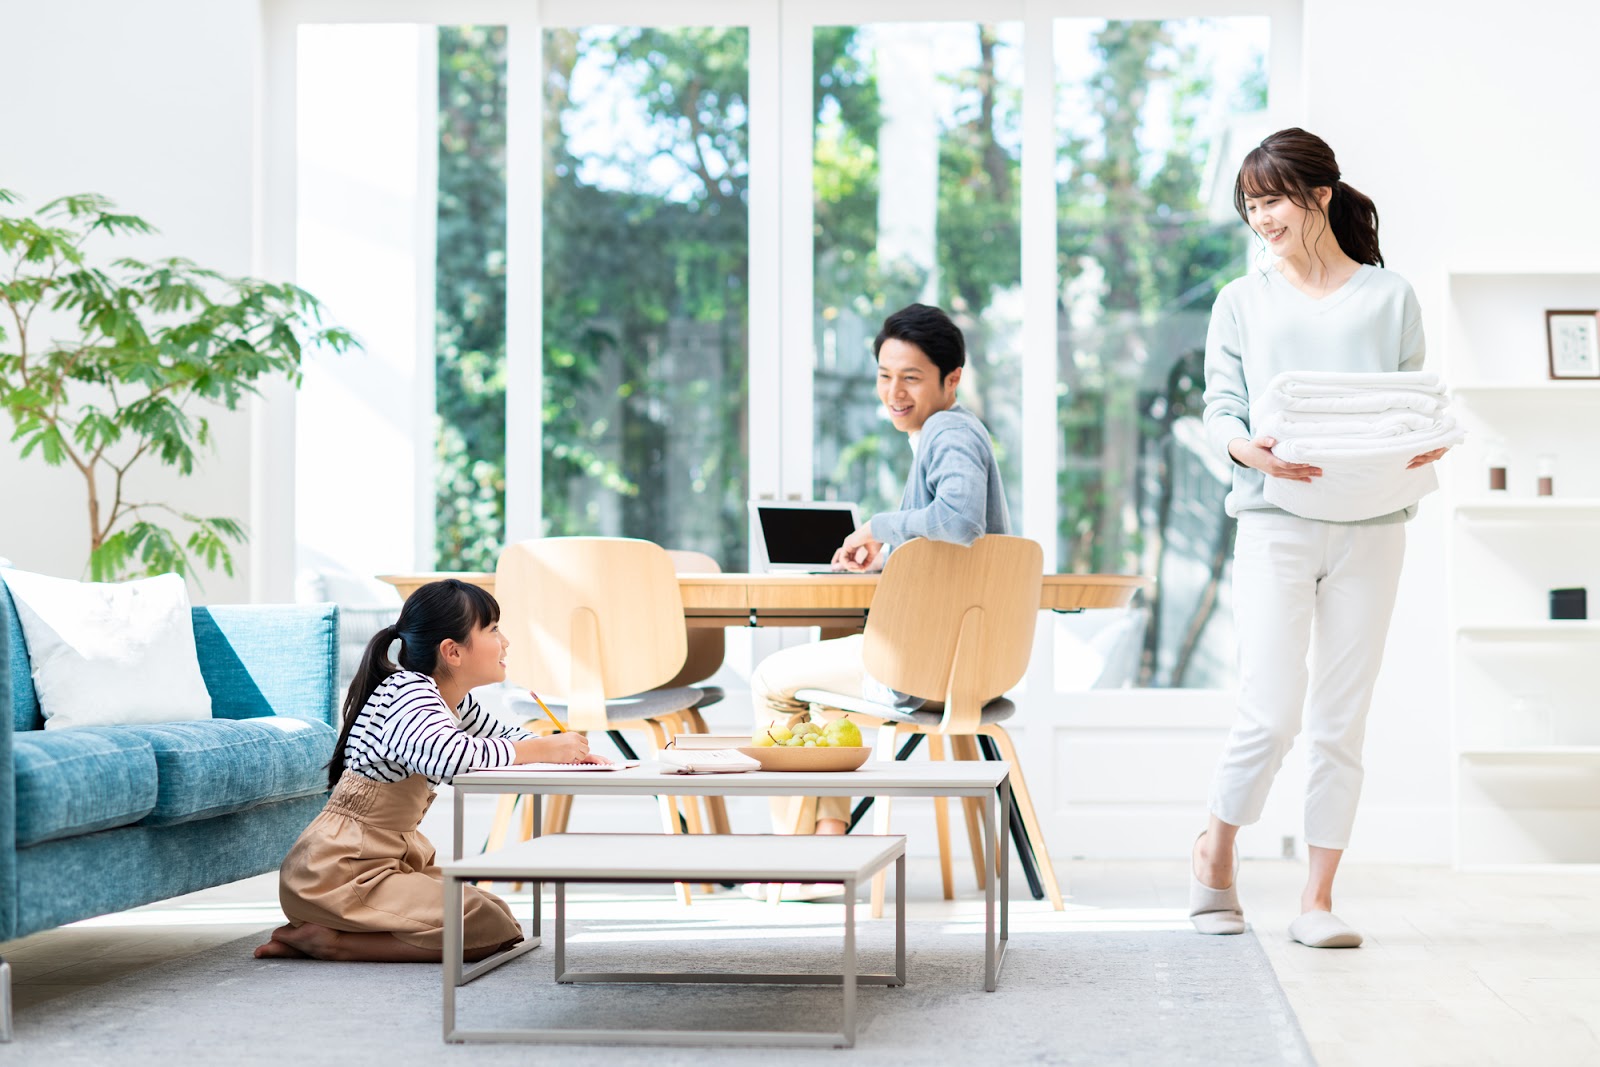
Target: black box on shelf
1569,604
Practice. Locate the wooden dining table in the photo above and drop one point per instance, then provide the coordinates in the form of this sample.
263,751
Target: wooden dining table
836,602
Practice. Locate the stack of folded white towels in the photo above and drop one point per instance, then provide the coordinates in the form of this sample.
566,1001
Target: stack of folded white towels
1362,430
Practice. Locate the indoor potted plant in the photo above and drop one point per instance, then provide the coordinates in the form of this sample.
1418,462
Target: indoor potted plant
151,346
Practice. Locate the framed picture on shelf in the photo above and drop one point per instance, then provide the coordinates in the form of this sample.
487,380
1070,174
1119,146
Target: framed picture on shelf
1574,343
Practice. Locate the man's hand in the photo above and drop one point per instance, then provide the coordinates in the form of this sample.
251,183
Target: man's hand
1426,458
860,551
1258,454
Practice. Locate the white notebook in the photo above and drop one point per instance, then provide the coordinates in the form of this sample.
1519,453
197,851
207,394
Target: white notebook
619,765
706,761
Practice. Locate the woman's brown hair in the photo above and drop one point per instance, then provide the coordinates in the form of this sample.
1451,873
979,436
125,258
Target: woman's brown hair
1293,163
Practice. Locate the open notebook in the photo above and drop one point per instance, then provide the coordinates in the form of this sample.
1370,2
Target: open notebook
618,765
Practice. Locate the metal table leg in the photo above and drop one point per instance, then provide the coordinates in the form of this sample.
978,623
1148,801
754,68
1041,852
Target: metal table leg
458,820
992,854
848,978
454,920
5,1000
1005,876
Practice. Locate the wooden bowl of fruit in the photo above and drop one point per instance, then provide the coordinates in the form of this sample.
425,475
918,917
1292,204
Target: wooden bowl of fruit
802,745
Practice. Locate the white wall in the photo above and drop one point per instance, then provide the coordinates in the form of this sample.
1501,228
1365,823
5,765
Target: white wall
151,104
367,134
1471,126
1472,131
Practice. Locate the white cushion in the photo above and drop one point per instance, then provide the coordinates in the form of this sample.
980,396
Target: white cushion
107,654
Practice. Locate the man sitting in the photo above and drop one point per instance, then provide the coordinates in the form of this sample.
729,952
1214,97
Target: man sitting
953,494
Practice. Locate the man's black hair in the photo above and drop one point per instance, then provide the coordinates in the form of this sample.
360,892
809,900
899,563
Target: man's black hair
931,330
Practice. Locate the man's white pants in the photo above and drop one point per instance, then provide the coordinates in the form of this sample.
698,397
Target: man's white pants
832,665
1299,587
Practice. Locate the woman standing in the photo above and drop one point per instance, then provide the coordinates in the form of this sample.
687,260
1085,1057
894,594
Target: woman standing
1300,586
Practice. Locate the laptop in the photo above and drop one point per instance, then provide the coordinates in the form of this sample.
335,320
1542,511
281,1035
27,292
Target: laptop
798,535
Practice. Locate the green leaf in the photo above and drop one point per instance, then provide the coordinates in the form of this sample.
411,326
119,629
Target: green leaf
48,442
107,563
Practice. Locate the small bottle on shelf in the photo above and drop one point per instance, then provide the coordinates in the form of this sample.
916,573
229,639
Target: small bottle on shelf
1547,475
1497,467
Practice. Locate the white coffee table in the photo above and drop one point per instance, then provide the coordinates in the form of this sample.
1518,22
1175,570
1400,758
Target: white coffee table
563,858
986,780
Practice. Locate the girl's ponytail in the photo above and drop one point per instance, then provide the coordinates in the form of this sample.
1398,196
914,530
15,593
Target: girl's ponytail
1354,218
375,667
449,609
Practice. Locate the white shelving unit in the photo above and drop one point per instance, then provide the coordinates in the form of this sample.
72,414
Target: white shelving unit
1525,720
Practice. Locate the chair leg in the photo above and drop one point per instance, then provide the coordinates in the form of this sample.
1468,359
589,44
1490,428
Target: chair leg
941,822
801,815
690,804
864,805
557,810
659,736
966,748
880,817
504,811
716,807
1023,802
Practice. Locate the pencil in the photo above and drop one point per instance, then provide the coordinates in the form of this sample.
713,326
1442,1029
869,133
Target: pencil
552,715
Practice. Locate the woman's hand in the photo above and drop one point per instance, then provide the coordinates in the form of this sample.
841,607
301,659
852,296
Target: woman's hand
860,551
1258,454
1426,458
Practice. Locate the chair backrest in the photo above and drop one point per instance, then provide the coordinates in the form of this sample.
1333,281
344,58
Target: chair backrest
707,644
955,623
589,619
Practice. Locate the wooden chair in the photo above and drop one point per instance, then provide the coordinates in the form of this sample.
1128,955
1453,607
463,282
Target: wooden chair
955,623
596,628
707,647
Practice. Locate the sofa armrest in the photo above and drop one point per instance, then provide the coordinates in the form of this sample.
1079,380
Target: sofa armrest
270,659
8,788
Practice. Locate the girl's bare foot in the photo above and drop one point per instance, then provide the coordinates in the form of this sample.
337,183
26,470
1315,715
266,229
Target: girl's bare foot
310,939
278,949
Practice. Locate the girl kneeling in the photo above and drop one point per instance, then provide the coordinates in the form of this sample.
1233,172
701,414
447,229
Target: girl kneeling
361,882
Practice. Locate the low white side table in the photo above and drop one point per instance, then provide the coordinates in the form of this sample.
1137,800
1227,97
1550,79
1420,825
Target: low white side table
561,858
987,780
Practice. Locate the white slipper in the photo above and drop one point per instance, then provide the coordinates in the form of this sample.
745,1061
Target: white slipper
1324,929
1215,911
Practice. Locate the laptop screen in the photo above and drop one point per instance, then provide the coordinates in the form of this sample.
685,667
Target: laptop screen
803,535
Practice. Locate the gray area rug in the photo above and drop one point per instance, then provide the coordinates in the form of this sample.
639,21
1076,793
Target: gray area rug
1140,998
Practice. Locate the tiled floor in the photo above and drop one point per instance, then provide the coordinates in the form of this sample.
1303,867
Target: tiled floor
1458,969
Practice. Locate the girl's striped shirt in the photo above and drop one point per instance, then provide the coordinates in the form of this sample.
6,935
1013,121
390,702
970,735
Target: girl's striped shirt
405,729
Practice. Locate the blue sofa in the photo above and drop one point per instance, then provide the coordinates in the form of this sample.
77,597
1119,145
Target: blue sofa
96,819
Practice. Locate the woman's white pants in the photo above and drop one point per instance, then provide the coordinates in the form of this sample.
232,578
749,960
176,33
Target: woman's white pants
1306,591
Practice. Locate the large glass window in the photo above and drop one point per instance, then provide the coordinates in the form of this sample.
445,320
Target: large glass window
470,300
1153,118
646,285
916,159
643,173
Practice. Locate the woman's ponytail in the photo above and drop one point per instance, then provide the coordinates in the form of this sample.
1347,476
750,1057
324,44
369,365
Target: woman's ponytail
375,667
1294,163
1354,219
